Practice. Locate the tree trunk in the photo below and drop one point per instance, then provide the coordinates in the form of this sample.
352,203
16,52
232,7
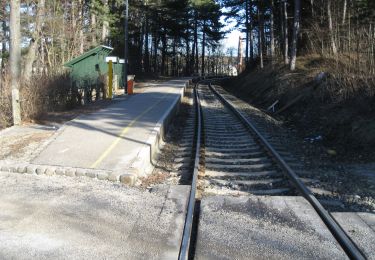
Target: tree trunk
286,40
251,36
247,31
344,13
147,53
81,25
330,27
163,53
15,59
251,42
296,25
272,33
30,58
93,26
156,43
260,37
2,39
3,44
203,46
174,56
105,24
187,60
195,44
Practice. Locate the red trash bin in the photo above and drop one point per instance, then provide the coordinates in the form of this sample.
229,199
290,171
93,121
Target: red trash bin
131,84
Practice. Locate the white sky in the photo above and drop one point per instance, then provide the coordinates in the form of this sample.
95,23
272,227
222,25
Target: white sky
231,39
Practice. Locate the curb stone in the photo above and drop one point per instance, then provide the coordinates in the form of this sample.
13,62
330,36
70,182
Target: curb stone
129,178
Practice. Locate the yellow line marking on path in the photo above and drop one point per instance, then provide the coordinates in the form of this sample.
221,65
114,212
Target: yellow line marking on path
124,131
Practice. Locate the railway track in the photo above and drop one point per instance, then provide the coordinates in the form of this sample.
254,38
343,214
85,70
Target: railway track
230,156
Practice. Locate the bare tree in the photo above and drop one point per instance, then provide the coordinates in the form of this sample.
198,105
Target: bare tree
260,35
105,23
296,25
34,42
15,58
272,32
81,22
344,12
285,33
330,27
93,25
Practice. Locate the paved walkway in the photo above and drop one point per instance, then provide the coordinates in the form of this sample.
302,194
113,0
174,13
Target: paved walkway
57,217
111,138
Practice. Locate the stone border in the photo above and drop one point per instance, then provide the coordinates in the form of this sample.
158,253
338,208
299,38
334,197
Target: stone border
38,169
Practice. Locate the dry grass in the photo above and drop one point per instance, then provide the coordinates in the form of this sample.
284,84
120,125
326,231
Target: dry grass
5,104
40,95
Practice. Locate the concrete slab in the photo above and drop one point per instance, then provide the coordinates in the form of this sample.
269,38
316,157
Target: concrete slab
360,226
261,227
57,217
113,138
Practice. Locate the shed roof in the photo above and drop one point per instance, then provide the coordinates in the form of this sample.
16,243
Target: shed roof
95,50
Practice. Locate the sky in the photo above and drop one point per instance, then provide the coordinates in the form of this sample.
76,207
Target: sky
231,39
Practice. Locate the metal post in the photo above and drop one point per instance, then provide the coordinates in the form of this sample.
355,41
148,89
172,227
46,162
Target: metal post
126,46
110,79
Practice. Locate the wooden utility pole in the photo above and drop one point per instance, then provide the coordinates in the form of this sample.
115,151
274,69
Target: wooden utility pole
15,59
126,46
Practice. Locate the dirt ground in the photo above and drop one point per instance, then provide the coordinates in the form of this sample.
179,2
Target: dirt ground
333,139
308,101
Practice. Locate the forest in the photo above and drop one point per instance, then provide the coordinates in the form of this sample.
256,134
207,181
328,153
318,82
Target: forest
176,38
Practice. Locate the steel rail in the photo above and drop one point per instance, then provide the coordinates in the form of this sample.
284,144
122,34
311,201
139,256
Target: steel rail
185,243
345,242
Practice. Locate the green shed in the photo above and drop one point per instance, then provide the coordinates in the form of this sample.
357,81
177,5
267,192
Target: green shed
89,68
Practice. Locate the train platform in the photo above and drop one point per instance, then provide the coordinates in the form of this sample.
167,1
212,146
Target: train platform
119,139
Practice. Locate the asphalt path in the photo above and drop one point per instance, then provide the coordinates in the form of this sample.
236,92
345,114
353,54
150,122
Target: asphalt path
110,138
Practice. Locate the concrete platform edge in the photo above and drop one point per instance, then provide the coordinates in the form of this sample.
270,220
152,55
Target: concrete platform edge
144,163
